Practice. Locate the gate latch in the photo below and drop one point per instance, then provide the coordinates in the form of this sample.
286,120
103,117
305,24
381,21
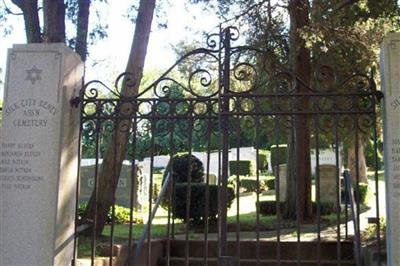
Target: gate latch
75,101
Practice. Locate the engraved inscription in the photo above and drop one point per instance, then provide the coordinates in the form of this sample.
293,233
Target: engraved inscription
31,111
395,153
15,166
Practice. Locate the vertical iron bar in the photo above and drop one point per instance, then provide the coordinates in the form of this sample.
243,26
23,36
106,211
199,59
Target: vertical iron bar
297,100
277,190
152,152
172,182
115,185
224,124
237,131
207,199
358,200
317,188
78,181
133,182
376,164
257,144
189,182
376,180
96,177
338,237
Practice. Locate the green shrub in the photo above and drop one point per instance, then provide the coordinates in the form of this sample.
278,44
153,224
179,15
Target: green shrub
197,202
361,195
158,170
156,192
121,214
270,183
282,150
262,161
244,167
181,169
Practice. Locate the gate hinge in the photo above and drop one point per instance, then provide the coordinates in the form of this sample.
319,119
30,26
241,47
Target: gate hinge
379,95
75,101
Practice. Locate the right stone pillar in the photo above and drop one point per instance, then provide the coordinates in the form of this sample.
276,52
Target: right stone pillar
390,76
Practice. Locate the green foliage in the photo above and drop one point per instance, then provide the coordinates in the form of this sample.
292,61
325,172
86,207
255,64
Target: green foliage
121,214
370,157
278,154
245,167
371,231
197,210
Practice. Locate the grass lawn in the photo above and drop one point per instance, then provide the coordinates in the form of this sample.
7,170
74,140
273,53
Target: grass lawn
381,175
247,218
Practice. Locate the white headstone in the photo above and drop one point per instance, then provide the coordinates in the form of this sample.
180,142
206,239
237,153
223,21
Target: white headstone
390,75
282,169
39,155
328,184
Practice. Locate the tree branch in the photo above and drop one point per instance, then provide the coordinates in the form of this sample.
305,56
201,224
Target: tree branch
18,3
247,11
31,19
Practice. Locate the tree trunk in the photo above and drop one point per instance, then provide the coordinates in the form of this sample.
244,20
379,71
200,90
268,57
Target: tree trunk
298,203
362,165
82,28
31,19
54,21
108,178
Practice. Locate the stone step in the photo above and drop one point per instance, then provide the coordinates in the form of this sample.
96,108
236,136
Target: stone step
268,250
177,261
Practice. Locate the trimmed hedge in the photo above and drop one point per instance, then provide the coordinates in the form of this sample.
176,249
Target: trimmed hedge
243,167
269,208
250,185
197,202
121,214
282,150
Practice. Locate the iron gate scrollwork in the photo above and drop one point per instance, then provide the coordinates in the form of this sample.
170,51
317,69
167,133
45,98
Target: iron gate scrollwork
225,102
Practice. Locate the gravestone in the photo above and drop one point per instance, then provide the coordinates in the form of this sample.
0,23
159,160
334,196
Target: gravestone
39,155
390,75
124,186
282,168
327,182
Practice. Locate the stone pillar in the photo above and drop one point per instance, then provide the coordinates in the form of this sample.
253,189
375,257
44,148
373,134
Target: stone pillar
390,75
39,155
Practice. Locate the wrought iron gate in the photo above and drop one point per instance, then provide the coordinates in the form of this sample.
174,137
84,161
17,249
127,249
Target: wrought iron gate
225,102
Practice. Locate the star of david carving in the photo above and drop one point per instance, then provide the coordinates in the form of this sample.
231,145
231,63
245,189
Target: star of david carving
33,74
